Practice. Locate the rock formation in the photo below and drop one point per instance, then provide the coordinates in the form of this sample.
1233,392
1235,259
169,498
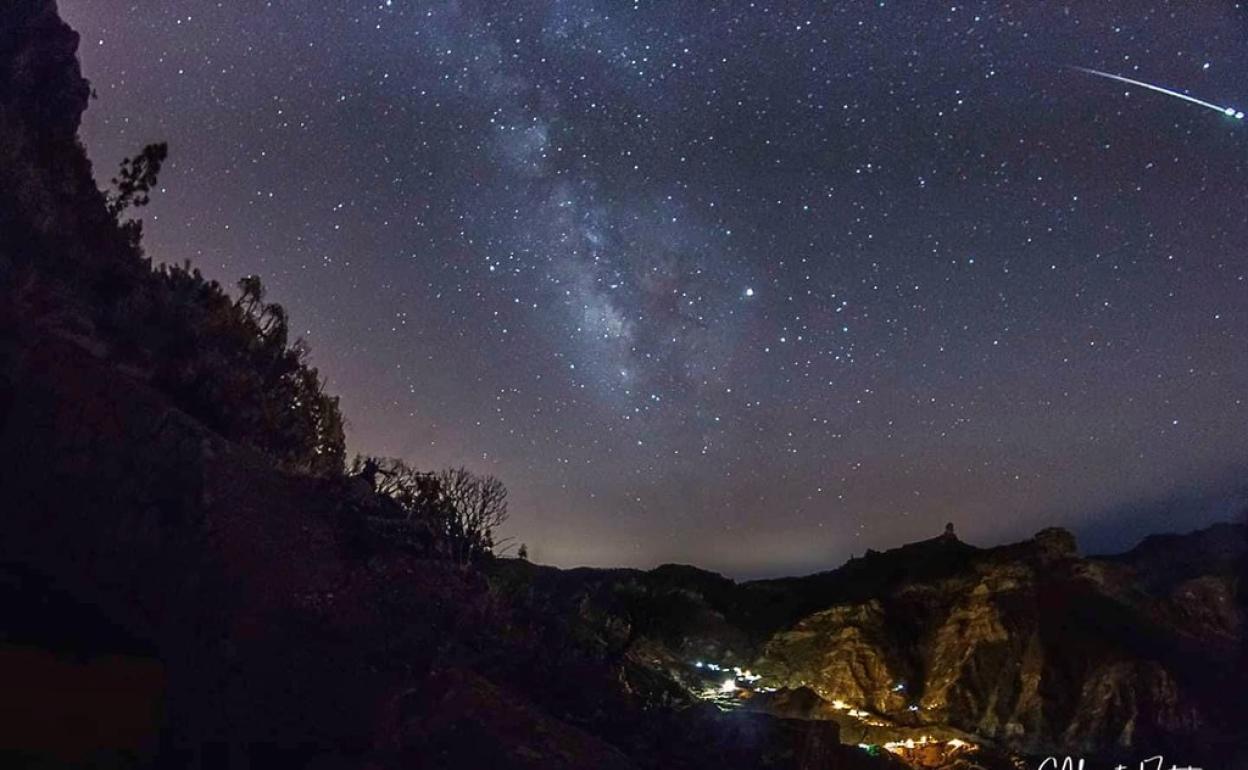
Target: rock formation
1027,647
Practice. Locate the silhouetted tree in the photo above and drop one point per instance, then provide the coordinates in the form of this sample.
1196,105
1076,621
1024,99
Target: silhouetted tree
133,185
458,509
474,508
137,177
415,494
229,362
523,553
251,297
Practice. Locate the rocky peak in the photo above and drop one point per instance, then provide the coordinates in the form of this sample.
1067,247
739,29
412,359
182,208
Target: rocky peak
40,79
50,208
1056,542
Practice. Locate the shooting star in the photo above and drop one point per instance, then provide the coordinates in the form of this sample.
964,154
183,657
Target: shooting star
1228,111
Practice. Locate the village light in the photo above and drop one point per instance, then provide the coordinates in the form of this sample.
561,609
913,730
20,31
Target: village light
729,685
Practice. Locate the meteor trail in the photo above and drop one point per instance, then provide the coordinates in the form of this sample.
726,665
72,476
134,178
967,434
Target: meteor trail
1229,111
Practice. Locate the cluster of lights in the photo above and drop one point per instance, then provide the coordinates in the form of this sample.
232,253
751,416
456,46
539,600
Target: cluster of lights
910,744
841,705
732,684
740,679
746,676
863,716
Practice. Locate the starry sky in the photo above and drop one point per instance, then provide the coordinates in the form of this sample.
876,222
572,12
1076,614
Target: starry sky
751,285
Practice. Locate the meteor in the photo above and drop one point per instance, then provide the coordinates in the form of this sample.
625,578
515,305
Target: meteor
1228,111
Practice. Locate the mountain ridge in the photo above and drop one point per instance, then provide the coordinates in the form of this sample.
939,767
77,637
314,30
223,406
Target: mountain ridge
1027,645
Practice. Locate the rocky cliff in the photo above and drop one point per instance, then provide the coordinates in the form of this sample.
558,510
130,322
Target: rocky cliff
50,208
1030,647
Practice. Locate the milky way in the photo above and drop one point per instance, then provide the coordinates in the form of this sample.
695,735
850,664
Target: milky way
751,285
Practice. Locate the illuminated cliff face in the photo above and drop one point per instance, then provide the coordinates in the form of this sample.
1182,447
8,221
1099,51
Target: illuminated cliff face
1028,647
927,752
731,688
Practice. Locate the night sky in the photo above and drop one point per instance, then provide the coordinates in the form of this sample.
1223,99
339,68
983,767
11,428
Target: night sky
752,285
